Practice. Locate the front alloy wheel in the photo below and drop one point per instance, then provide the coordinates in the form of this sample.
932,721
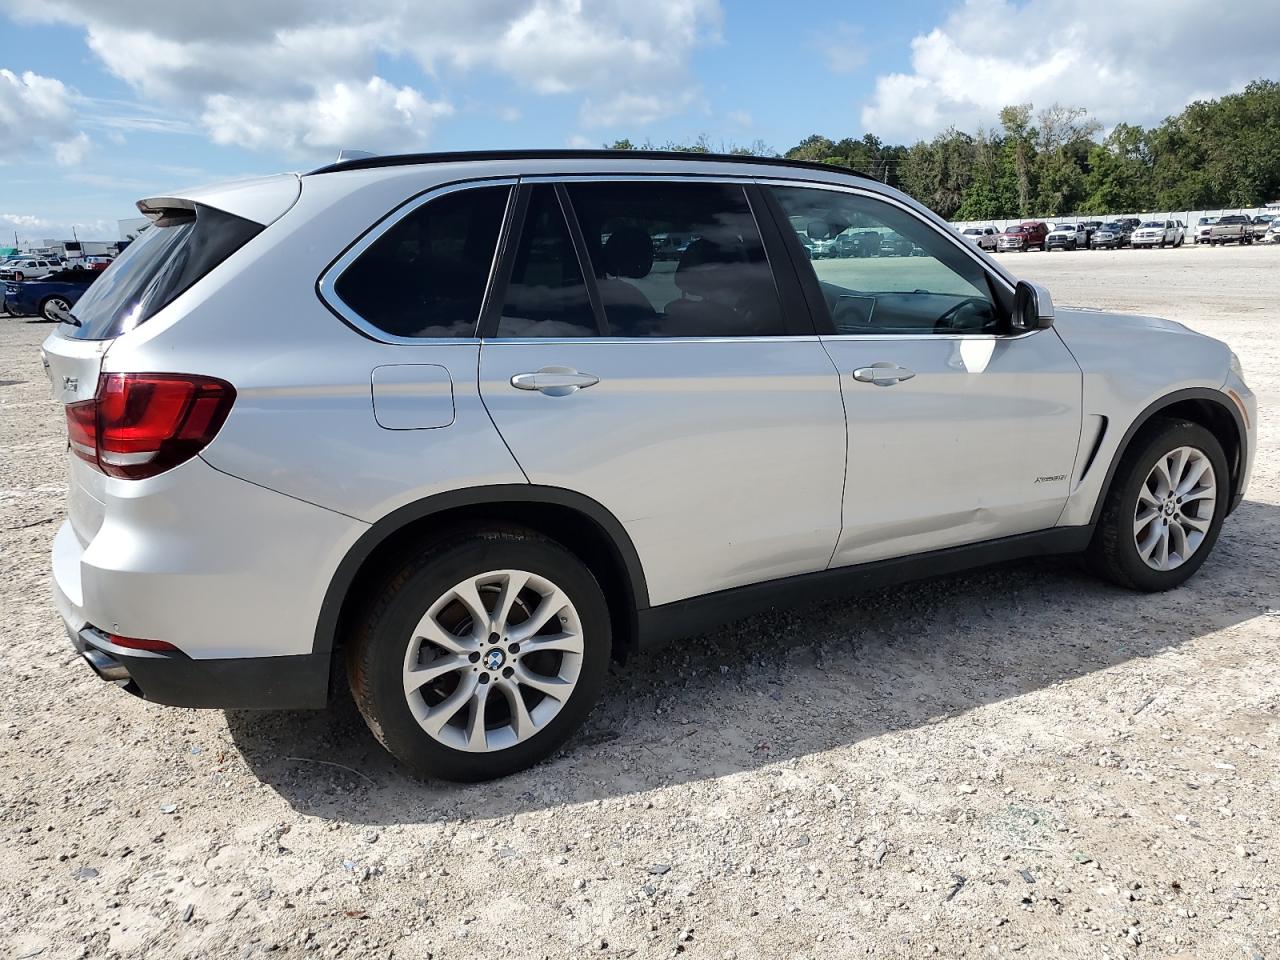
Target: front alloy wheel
55,308
1163,511
1175,507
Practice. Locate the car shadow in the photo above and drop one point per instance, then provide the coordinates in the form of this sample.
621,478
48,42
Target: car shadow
789,684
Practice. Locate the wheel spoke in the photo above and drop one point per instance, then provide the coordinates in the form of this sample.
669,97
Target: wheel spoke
1192,476
1161,553
1161,474
1201,494
430,630
1177,546
416,676
1144,518
550,606
1146,498
1178,466
521,722
561,642
1195,523
516,581
445,711
551,686
467,593
476,739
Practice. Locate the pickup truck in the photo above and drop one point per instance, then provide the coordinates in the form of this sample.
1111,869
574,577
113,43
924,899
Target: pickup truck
1233,228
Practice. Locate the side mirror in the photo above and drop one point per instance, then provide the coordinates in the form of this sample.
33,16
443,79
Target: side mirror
1032,307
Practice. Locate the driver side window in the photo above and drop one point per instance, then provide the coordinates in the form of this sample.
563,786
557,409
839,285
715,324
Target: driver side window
884,271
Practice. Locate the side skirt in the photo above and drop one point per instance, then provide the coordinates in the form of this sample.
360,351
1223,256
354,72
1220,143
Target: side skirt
684,618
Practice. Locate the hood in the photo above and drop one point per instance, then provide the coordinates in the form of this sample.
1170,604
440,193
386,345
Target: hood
1090,320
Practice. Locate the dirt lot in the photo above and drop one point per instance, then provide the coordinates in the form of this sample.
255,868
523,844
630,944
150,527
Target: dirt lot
1018,762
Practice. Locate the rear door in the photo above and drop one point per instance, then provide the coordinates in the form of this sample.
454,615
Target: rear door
958,432
675,384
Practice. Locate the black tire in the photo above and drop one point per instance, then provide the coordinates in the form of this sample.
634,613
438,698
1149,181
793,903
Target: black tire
1113,554
376,653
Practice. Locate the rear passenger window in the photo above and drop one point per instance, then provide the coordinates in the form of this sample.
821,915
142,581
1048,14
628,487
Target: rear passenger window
546,296
426,276
677,259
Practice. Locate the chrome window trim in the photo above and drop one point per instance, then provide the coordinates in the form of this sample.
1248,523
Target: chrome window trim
326,284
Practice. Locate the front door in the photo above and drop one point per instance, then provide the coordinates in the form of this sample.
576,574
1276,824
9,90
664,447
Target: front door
958,432
666,381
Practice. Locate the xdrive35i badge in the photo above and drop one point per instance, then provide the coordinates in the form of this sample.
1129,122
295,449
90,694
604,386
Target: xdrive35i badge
1056,476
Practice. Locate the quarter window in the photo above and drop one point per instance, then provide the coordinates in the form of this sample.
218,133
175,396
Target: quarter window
675,259
426,276
884,271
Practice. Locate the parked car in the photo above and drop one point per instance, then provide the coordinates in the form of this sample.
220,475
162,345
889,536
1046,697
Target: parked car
982,237
19,268
1204,226
1233,228
858,243
1157,233
1023,236
1112,236
1260,225
501,465
1090,226
893,244
50,296
1066,236
1273,232
97,263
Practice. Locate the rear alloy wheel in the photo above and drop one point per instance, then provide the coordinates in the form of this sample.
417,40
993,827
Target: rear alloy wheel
1165,507
54,308
467,669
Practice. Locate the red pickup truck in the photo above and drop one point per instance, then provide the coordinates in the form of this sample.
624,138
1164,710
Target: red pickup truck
1023,237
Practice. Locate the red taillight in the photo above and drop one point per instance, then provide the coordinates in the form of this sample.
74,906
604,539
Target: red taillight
133,643
141,424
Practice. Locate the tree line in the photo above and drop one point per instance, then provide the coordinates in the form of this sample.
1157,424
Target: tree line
1051,162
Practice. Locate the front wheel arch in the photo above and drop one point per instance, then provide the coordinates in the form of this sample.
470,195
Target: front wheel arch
1210,408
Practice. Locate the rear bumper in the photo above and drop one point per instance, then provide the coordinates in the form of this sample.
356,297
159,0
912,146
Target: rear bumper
174,679
231,574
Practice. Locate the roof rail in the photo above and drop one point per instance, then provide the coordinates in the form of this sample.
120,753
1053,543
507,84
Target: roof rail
464,156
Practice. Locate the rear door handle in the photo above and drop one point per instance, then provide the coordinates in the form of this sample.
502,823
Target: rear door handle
554,381
883,374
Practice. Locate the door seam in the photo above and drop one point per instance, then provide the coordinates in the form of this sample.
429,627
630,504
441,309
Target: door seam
488,413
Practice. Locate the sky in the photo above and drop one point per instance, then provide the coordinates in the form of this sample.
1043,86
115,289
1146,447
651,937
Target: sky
103,102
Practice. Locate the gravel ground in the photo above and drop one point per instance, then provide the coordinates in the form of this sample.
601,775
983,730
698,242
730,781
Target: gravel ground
1017,762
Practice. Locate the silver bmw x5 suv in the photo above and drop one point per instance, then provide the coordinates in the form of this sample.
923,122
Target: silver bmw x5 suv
473,425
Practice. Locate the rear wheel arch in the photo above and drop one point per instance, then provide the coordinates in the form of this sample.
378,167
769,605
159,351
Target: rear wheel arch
1212,409
575,521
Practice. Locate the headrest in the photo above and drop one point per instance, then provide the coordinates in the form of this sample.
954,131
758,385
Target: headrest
702,268
628,253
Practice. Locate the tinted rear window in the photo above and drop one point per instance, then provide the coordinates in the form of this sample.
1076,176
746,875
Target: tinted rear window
164,261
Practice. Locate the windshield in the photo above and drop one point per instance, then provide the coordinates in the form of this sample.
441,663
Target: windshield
1233,219
1113,226
167,258
1016,230
973,232
1154,224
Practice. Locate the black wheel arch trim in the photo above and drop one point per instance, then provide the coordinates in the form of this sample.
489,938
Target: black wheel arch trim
344,577
1168,400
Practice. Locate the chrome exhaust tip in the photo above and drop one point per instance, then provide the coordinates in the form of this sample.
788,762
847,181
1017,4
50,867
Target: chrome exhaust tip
106,666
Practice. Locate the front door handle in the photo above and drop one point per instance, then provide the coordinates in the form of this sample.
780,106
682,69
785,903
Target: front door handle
554,381
883,374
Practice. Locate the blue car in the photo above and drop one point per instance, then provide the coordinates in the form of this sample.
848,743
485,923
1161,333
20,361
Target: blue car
49,295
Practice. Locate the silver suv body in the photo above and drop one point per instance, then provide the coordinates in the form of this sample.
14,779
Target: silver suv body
461,422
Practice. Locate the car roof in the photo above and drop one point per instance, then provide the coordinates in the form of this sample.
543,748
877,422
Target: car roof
477,156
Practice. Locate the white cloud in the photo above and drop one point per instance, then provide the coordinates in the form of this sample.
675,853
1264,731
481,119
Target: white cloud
37,114
375,115
1136,61
277,72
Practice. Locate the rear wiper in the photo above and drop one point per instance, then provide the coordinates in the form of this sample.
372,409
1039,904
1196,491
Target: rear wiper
66,316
